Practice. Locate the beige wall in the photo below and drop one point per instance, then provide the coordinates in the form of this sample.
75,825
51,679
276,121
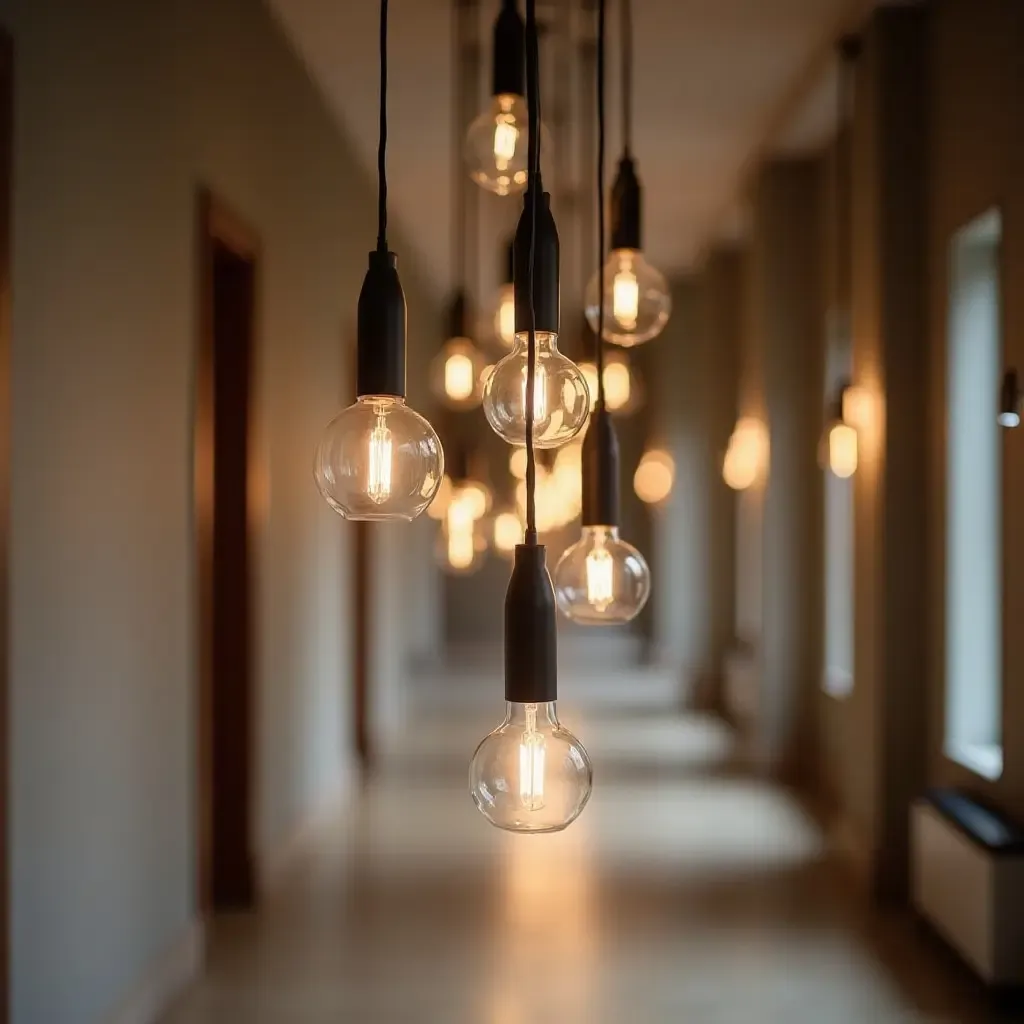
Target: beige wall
123,109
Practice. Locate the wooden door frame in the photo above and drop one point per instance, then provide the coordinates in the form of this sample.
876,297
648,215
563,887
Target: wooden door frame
217,224
6,159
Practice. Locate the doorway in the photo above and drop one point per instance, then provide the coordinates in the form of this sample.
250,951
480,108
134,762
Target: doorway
224,421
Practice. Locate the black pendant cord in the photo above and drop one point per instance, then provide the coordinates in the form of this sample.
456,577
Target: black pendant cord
626,29
382,143
599,334
533,155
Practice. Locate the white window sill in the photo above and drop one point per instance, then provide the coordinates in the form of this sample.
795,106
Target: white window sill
837,683
984,759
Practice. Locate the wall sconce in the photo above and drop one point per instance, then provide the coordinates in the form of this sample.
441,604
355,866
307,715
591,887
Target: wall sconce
746,458
1009,400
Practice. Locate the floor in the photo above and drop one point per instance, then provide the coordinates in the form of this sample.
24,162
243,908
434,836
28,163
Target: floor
686,892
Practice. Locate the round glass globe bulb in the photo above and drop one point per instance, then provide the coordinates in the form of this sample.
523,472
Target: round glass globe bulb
530,774
561,401
637,300
619,384
456,374
378,460
601,580
496,145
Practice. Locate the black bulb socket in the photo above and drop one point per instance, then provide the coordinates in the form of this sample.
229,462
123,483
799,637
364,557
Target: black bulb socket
625,206
545,265
509,67
600,471
380,331
531,633
510,261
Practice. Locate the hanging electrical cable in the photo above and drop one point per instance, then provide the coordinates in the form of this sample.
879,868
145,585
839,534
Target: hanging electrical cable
636,299
601,579
379,459
456,372
531,774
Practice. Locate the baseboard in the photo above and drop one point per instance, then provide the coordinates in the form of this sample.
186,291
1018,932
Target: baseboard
852,850
164,980
276,860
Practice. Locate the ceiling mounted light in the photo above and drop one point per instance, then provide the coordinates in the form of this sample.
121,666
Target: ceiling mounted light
628,300
531,774
379,460
601,579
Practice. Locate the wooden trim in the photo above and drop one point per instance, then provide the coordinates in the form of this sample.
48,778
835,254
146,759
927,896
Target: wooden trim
217,226
6,159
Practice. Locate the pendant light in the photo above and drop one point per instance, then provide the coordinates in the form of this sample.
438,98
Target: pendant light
838,448
601,579
633,295
456,372
531,774
505,304
379,460
497,143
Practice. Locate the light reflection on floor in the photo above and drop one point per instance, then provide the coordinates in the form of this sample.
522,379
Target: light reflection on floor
687,892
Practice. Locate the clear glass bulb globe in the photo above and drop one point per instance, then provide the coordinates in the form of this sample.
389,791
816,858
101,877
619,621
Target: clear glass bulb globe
496,145
637,300
379,460
601,580
531,774
561,401
457,373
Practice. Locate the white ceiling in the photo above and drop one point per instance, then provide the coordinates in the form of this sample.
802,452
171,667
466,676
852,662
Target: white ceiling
719,83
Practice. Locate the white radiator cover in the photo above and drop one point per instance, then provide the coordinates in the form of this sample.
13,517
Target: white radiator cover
973,897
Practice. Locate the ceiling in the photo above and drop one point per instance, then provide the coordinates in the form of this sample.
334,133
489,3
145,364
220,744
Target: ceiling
718,84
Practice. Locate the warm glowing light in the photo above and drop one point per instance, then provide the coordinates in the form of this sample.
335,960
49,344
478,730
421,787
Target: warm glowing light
517,463
508,532
625,298
506,134
378,486
505,317
618,384
475,497
459,380
461,548
842,450
858,407
438,508
747,455
540,392
654,476
531,763
599,577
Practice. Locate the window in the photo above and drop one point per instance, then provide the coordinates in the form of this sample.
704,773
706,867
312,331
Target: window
974,626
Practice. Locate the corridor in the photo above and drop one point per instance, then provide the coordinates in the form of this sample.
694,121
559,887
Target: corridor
687,891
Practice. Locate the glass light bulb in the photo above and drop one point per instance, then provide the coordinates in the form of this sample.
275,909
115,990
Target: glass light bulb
379,460
505,315
842,450
561,401
654,476
601,580
456,374
530,774
476,496
746,458
508,532
496,145
618,384
461,545
637,300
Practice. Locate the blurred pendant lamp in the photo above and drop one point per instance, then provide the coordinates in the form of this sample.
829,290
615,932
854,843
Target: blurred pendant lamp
601,579
531,774
838,448
456,372
633,295
378,459
462,541
497,142
505,306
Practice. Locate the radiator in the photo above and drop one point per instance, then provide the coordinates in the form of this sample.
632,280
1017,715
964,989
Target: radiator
971,895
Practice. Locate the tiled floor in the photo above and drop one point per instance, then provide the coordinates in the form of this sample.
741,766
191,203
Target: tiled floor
685,893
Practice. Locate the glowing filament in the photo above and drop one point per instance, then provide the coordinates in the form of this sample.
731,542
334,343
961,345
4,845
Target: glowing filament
540,397
599,577
378,486
531,763
458,377
625,298
842,450
506,135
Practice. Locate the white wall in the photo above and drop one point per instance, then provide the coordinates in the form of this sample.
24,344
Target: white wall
122,110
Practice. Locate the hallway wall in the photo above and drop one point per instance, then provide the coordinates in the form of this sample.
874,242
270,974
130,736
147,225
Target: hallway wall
123,109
